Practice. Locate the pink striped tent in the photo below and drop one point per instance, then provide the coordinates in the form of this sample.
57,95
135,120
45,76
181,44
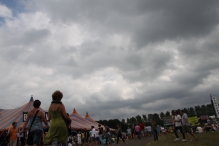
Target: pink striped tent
89,119
78,122
8,116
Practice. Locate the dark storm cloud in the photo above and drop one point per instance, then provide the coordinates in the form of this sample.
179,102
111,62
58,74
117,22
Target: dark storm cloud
145,21
114,59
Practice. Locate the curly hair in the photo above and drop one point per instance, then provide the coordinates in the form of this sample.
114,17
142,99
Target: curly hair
57,95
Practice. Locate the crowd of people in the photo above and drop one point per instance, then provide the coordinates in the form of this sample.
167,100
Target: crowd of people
59,131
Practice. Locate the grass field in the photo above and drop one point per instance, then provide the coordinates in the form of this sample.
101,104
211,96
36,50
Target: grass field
204,139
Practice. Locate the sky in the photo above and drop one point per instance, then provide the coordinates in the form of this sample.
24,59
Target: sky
113,59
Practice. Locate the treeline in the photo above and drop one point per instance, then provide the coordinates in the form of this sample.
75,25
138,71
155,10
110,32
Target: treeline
192,111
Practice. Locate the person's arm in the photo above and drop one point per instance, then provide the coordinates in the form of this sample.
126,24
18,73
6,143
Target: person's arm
118,129
43,118
49,114
64,113
185,120
8,133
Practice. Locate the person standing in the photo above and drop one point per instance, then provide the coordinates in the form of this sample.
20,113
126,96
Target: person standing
100,130
154,128
108,136
93,135
158,130
79,138
119,133
178,126
57,133
142,126
133,131
36,130
186,125
13,134
137,131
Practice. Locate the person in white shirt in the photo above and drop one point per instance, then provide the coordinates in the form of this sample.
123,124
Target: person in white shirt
79,138
199,130
93,135
97,140
178,126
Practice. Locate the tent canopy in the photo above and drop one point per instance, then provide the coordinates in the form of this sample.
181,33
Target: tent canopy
8,116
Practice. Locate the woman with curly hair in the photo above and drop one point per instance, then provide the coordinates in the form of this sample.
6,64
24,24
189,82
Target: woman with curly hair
58,133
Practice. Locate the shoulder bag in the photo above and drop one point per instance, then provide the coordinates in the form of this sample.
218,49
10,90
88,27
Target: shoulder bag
30,137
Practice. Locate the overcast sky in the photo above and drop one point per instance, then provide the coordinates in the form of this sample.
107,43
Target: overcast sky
112,58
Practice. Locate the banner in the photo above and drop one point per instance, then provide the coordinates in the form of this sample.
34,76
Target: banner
24,116
215,104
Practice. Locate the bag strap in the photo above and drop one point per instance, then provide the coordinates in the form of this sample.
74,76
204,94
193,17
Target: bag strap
33,119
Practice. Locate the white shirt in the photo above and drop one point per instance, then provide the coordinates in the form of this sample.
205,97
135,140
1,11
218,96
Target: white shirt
93,132
177,118
79,136
97,133
199,129
184,118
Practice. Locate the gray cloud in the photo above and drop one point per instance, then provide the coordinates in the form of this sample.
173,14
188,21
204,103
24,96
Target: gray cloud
123,58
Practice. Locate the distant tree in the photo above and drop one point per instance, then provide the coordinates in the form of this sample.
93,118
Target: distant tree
210,109
167,114
186,111
150,116
204,110
138,118
128,121
198,111
145,118
162,115
191,112
123,121
156,117
133,120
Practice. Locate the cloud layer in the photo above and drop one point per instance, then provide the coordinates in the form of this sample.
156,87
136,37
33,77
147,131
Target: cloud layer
114,59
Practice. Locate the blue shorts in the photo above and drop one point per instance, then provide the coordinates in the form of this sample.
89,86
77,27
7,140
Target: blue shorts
37,136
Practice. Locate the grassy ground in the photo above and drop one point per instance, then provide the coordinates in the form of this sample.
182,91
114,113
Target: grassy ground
204,139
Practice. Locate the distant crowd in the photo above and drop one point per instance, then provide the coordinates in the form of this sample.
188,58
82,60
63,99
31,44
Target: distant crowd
59,132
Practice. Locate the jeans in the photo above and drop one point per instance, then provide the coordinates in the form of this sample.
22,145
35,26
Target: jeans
155,135
101,140
108,137
138,133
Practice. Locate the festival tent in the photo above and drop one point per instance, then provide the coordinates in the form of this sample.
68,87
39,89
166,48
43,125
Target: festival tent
78,122
89,119
8,116
95,124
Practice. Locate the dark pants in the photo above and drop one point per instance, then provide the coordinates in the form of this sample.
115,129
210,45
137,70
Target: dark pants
180,129
119,135
138,133
155,135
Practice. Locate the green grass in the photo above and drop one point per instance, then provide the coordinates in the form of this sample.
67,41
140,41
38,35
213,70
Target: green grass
204,139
